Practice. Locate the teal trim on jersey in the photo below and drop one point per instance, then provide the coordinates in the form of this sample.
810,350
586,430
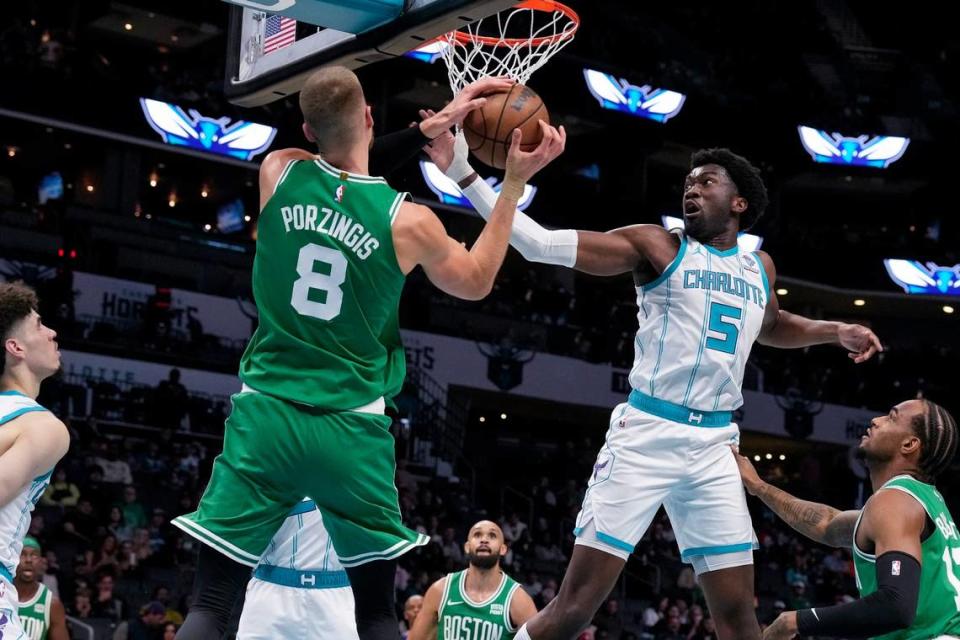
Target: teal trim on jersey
13,392
703,334
301,579
615,542
670,267
16,414
5,573
763,275
663,335
716,400
713,551
732,251
679,413
302,507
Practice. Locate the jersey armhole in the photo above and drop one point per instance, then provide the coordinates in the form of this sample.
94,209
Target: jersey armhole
397,203
444,596
280,179
670,267
930,516
507,620
763,274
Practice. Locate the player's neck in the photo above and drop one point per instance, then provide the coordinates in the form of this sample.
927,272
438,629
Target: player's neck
882,474
483,581
356,160
22,381
26,590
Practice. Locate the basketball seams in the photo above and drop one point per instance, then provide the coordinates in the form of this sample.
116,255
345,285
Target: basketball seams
496,132
512,113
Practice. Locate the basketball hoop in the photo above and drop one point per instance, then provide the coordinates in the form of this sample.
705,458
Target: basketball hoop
512,43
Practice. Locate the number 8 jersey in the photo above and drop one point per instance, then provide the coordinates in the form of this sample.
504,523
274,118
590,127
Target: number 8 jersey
698,321
327,286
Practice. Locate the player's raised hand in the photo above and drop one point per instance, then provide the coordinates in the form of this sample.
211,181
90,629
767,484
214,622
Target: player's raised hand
861,342
470,97
439,149
523,165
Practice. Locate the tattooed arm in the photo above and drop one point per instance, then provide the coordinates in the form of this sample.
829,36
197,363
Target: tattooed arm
817,521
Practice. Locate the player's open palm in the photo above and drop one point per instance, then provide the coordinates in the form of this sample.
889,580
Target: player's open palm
524,165
861,342
748,473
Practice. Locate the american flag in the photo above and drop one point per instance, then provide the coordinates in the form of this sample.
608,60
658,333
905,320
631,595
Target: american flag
278,33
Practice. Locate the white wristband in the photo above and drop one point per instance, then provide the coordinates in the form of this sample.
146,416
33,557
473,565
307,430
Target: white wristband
460,167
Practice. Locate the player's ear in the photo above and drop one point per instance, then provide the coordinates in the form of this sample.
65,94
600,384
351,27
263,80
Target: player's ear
739,204
909,445
368,117
308,134
503,550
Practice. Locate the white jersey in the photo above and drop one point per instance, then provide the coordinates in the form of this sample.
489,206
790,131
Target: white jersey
15,515
698,321
301,553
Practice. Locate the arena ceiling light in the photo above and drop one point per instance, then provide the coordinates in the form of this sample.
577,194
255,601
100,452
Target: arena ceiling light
617,94
746,241
240,139
931,278
860,151
448,192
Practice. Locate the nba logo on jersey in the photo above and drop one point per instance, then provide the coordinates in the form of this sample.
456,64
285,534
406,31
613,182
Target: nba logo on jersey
339,195
895,568
749,263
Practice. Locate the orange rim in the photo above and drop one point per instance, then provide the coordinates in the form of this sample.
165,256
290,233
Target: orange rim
546,6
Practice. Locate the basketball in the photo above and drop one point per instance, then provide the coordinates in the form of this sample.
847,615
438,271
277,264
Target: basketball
488,128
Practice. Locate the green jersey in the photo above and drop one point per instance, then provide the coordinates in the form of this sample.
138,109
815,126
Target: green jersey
327,286
460,618
35,613
938,609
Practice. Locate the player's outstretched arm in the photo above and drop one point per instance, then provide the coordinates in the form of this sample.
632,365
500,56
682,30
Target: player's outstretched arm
425,625
790,331
894,522
42,441
611,253
419,237
818,522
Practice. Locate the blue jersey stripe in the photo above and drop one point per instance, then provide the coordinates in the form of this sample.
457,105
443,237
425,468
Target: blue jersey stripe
19,412
302,507
703,337
663,334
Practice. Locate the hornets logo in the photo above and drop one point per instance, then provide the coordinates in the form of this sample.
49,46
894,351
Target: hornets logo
931,279
448,192
863,151
658,105
242,139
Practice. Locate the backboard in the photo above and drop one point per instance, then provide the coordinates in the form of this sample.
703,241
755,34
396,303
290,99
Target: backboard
270,55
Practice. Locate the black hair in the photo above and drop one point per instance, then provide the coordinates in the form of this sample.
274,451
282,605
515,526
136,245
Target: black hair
746,178
937,431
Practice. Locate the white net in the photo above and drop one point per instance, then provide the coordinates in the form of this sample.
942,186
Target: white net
512,43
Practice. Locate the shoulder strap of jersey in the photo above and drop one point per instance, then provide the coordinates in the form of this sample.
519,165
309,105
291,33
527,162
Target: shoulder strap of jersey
48,603
507,620
909,485
447,586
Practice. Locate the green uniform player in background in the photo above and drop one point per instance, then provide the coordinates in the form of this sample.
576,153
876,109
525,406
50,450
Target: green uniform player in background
906,547
41,613
479,603
334,246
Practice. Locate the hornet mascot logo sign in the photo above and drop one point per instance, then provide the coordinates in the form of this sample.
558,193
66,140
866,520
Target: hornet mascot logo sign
449,193
242,139
619,95
863,151
931,279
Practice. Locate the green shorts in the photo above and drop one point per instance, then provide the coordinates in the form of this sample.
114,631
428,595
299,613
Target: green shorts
274,454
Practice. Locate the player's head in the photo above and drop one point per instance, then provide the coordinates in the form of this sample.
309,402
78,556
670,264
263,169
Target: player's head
721,185
27,344
485,545
28,569
335,113
920,434
411,609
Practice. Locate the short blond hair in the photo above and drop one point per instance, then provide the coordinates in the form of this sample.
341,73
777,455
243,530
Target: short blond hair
330,100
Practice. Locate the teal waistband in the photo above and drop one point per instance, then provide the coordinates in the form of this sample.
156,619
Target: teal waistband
301,579
5,573
677,412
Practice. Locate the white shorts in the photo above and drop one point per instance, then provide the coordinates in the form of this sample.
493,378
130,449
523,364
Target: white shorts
649,461
10,626
273,611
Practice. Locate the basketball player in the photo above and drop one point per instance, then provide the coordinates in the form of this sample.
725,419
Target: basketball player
41,613
299,582
32,440
479,602
702,302
906,547
334,247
